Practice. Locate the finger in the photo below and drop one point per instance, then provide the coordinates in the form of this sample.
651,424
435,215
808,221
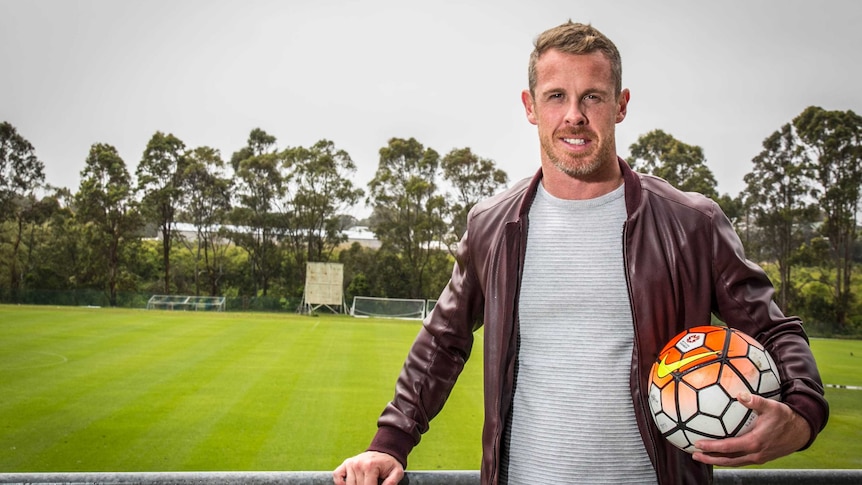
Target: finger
753,402
366,476
722,459
745,398
727,446
394,477
339,476
354,473
353,476
740,445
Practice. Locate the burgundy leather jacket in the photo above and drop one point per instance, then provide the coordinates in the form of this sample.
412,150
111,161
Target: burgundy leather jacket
684,262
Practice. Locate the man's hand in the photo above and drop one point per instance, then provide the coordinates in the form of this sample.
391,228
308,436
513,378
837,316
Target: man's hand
367,468
778,431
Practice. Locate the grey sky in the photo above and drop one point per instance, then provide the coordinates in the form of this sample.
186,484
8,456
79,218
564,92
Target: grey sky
723,75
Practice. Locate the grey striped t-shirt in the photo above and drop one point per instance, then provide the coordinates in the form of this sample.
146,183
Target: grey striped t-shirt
572,418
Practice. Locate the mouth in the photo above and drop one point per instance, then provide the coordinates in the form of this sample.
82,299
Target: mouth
575,141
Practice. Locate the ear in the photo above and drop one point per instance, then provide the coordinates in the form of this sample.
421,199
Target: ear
623,104
529,106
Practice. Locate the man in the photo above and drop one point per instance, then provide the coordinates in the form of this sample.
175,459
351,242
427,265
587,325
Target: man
580,276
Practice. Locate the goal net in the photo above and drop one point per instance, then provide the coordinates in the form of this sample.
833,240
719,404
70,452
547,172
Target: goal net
367,306
429,305
187,303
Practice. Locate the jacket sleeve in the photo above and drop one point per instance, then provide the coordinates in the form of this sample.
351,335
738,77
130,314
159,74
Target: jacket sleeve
745,300
434,362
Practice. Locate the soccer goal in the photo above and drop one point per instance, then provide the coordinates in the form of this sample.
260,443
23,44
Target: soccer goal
429,305
186,303
368,306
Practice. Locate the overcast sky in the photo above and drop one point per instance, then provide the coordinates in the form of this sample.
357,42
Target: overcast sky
722,75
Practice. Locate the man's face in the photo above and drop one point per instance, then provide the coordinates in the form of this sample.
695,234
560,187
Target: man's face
575,109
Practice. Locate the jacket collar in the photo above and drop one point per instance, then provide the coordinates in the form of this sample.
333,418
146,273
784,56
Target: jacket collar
630,178
633,187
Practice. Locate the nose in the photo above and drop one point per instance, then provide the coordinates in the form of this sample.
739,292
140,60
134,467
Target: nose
575,115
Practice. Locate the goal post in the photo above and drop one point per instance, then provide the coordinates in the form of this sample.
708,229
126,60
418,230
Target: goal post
408,308
186,303
429,305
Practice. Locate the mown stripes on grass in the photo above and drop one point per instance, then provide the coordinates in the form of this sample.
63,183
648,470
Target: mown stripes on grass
133,390
85,389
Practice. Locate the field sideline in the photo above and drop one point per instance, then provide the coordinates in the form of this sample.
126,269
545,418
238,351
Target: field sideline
133,390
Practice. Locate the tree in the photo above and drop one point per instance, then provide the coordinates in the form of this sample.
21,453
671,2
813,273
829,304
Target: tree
259,214
777,188
407,212
473,179
323,190
259,143
205,204
21,172
683,165
58,253
733,207
159,180
368,271
105,202
21,175
833,140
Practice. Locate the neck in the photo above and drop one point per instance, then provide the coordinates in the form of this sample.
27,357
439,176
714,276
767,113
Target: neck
566,186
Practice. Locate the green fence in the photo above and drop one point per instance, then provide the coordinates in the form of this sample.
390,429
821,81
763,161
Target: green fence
97,298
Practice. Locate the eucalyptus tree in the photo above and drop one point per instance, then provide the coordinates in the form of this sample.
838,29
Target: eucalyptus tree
473,179
833,140
159,177
205,203
683,165
322,191
778,193
259,143
57,250
408,213
21,175
259,212
105,204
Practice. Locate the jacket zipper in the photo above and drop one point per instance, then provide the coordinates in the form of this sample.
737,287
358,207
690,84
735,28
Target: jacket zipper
637,351
522,243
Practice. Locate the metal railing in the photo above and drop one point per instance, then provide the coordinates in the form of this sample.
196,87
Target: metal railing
722,477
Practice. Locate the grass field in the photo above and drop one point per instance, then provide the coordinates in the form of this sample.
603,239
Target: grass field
133,390
136,390
840,444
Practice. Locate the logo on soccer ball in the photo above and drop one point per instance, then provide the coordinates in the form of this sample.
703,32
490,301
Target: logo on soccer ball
691,341
665,369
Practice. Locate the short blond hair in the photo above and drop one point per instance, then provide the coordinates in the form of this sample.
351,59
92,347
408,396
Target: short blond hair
575,38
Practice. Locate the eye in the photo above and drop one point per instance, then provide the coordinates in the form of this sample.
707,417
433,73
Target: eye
555,96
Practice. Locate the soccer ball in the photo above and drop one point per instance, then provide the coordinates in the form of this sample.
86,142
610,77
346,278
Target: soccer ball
696,378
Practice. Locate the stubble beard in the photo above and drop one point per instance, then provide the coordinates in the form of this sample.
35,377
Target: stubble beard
580,166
